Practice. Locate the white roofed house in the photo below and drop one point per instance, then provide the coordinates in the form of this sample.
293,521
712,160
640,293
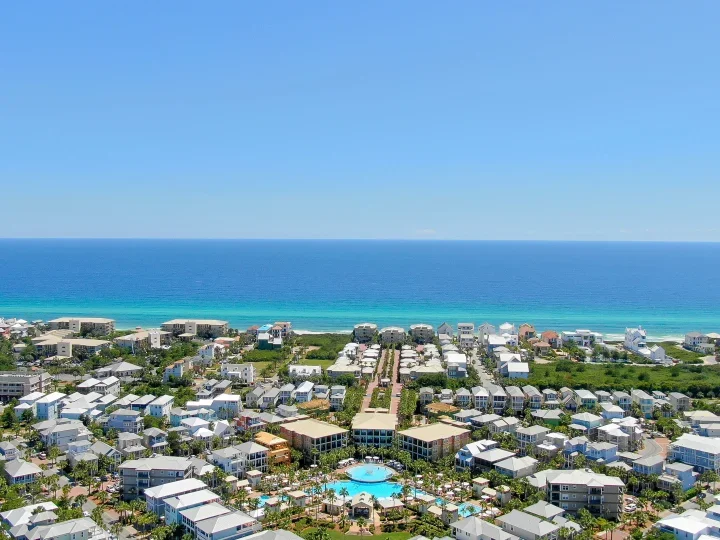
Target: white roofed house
122,370
703,453
155,496
160,408
48,407
533,396
108,385
475,528
517,398
299,372
699,342
19,471
528,527
229,527
446,329
125,420
636,342
61,432
303,392
238,460
244,373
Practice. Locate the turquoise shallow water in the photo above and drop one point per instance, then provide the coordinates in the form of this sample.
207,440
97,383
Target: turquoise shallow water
331,285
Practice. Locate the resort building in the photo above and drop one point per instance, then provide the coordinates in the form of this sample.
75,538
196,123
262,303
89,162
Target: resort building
98,326
314,437
374,429
144,340
278,448
53,345
196,327
433,441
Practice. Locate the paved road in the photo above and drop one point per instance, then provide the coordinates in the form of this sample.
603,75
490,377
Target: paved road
654,447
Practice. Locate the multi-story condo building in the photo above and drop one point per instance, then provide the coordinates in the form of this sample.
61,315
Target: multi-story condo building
278,448
16,384
422,333
244,373
480,397
703,453
600,494
137,475
144,340
314,437
374,429
365,332
52,345
98,326
392,334
433,441
196,327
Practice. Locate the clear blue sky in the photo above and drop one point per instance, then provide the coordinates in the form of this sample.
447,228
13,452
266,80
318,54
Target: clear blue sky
469,120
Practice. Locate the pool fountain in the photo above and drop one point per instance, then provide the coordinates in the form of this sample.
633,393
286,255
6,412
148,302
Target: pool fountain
370,472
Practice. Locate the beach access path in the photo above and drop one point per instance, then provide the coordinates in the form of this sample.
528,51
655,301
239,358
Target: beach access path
372,385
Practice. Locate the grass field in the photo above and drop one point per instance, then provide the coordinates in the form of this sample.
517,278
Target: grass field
677,351
689,379
339,535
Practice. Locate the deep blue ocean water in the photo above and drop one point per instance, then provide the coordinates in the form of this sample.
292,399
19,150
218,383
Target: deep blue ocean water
669,288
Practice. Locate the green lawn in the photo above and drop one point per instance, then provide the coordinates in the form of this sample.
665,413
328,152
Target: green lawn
339,535
677,351
688,379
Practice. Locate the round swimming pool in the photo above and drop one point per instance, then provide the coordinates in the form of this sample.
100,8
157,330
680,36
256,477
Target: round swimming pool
369,472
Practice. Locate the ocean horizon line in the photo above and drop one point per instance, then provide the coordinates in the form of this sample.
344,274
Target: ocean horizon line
399,239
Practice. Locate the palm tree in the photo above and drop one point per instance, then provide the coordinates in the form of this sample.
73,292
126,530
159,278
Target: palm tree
332,498
361,522
97,515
